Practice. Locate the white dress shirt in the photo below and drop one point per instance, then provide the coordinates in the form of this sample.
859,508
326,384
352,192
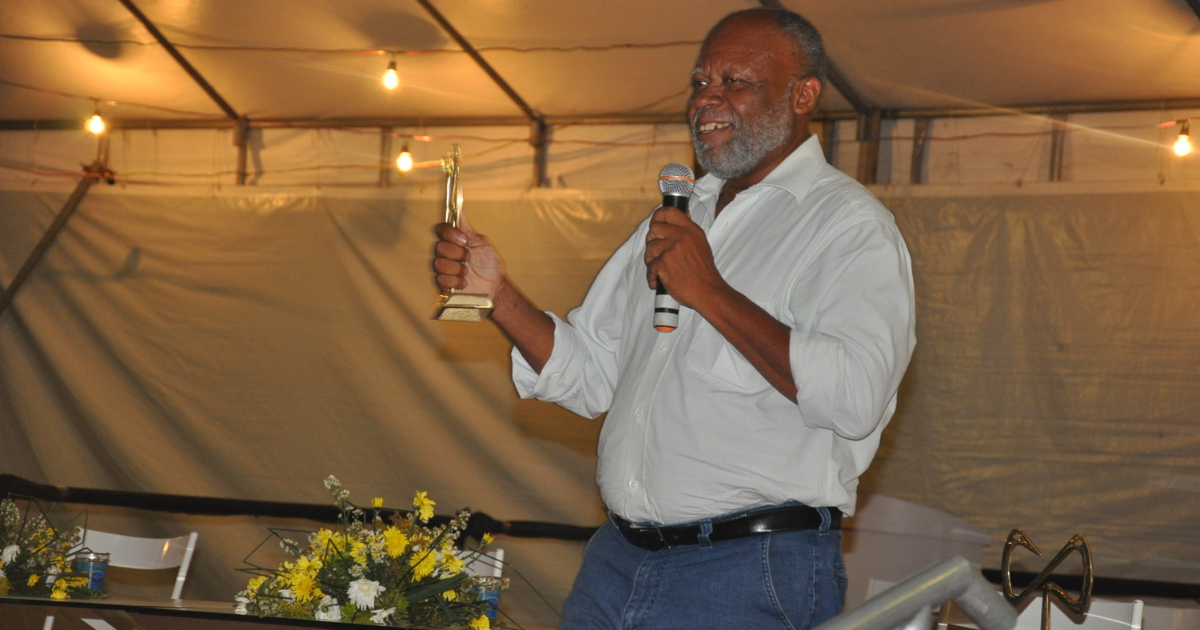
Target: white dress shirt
693,429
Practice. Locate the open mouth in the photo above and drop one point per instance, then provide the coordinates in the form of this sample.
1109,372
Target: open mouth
710,127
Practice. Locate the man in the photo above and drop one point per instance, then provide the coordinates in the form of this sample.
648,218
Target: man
733,445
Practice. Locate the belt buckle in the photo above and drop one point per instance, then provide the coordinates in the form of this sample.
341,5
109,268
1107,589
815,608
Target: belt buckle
661,538
651,528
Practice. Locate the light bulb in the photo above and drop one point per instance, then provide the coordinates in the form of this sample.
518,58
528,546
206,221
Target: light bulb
1183,145
95,124
405,161
391,80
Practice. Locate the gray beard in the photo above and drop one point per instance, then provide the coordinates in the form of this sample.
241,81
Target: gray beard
749,143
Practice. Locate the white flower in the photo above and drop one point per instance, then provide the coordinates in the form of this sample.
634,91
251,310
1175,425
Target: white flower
9,554
287,594
328,610
356,571
381,616
363,593
2,576
240,609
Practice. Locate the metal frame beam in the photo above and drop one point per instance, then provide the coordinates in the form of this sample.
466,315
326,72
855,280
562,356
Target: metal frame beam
917,171
1058,142
530,112
92,173
385,157
541,135
242,137
1047,109
869,128
187,66
1195,4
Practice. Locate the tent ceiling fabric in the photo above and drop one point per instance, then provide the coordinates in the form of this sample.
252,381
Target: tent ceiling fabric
904,54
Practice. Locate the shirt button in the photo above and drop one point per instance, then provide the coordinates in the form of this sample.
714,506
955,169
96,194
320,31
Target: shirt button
633,483
637,415
662,349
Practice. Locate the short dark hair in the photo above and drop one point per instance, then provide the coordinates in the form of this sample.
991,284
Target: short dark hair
805,37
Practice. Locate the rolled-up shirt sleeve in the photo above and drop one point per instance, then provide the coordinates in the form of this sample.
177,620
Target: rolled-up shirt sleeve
855,329
581,374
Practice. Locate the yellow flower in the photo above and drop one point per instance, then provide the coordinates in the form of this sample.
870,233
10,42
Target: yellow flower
58,593
33,579
358,551
487,539
255,582
304,588
423,563
377,502
480,623
395,542
321,540
308,567
450,595
452,564
424,506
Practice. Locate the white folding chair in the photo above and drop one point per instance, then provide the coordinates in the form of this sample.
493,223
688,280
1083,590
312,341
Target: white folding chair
132,552
489,564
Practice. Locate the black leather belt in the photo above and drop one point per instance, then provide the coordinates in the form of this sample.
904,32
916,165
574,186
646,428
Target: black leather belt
785,518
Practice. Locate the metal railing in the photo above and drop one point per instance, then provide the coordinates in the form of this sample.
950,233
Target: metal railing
908,604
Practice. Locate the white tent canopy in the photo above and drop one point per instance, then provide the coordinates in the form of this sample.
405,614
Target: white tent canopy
186,335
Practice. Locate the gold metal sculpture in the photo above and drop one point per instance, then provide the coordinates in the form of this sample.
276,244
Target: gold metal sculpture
1078,606
455,306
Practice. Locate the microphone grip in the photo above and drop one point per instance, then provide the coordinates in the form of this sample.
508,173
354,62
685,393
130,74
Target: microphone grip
666,309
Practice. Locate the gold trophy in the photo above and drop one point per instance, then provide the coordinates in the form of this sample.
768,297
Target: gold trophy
454,306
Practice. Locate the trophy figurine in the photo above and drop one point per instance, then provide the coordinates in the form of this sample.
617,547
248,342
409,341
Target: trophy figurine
454,306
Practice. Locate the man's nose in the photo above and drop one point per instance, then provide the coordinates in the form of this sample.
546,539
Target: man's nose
707,96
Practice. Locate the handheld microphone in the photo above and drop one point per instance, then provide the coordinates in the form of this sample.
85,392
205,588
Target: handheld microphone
676,182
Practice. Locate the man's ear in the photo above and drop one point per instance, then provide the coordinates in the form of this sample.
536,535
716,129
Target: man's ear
806,95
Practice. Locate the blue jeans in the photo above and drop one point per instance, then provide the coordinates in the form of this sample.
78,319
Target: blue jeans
789,580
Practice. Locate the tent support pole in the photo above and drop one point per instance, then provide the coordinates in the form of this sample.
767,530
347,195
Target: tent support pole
241,139
829,139
869,126
92,173
920,143
385,157
1058,141
541,153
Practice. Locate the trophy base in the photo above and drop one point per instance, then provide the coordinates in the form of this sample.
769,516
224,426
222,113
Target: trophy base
464,307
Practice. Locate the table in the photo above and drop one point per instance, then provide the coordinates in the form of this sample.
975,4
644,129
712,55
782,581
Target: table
31,613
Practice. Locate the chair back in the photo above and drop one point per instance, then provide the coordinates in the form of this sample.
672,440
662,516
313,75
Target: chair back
133,552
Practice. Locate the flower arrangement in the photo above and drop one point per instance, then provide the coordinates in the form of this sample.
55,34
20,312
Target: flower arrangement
406,573
34,556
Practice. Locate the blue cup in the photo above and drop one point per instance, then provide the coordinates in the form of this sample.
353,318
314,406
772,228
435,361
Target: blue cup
95,565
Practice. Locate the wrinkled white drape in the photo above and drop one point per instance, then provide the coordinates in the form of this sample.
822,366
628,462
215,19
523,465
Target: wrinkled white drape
246,345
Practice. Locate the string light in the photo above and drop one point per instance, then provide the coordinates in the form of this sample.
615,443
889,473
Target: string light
95,124
391,80
405,161
1183,145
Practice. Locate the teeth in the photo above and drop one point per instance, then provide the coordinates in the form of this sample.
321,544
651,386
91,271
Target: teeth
706,127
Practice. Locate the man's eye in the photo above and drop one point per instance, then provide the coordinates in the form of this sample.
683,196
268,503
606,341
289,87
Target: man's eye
698,83
732,80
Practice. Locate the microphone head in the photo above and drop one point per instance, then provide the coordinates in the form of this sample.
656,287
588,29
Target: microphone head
676,180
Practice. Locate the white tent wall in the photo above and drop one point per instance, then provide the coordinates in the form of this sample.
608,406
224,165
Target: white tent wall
185,335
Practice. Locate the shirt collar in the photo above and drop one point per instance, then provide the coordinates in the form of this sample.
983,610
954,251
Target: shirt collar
794,174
